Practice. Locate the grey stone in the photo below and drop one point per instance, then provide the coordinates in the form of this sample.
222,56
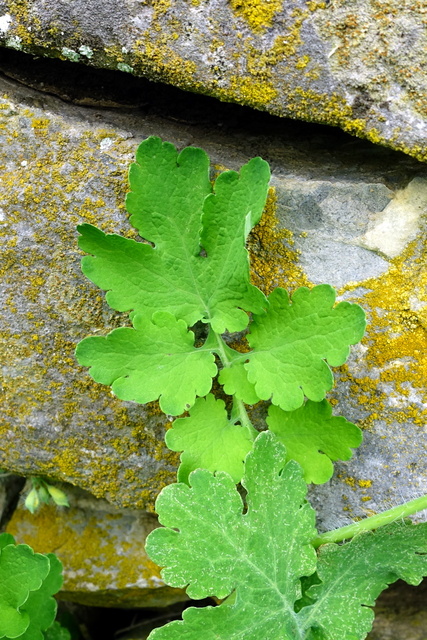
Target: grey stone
101,548
360,66
63,164
400,613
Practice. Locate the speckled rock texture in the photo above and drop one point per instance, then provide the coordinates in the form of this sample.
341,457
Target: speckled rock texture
340,210
101,549
358,65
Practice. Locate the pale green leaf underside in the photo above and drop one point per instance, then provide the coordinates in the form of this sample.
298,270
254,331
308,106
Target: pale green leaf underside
27,582
154,360
314,438
209,440
259,557
353,575
216,549
295,340
172,206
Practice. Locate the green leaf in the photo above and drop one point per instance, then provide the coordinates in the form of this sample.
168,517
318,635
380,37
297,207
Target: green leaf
353,575
236,383
57,632
260,559
214,547
5,540
314,438
155,359
172,206
57,495
209,440
21,572
294,341
32,501
41,606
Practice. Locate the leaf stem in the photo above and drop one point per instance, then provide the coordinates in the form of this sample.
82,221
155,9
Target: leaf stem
239,409
373,522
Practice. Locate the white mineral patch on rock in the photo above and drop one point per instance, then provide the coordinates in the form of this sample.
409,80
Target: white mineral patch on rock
86,51
399,222
5,22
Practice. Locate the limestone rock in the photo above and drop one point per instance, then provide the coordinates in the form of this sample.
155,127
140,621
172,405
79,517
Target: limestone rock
358,65
329,218
101,548
401,613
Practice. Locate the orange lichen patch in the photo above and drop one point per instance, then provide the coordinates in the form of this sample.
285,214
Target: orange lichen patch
103,554
258,14
274,261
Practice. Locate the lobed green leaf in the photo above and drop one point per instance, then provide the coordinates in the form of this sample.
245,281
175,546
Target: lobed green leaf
352,576
314,438
27,582
216,548
261,559
293,342
172,205
155,359
209,440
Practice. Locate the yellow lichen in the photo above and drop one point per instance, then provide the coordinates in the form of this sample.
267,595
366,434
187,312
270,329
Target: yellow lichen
42,185
302,62
99,565
259,14
396,342
256,94
274,261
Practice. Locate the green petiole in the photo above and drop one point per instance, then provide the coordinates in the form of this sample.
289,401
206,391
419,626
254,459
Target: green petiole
239,410
373,522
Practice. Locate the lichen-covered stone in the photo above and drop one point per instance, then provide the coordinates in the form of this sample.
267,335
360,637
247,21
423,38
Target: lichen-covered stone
330,217
359,65
101,548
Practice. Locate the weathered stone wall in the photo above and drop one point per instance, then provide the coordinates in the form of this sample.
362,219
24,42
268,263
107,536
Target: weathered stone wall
359,65
340,210
328,219
101,549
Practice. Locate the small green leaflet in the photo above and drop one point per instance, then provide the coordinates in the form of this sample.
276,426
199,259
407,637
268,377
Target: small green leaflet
314,438
209,440
156,358
173,206
294,339
236,383
28,581
259,557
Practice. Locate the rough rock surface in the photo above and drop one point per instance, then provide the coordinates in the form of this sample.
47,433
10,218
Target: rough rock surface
330,217
401,613
359,65
101,549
